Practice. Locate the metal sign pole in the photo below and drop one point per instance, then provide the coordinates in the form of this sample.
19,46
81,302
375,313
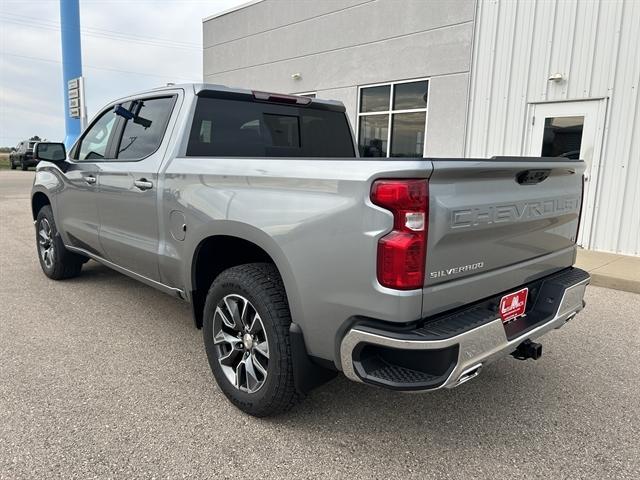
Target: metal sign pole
71,67
83,106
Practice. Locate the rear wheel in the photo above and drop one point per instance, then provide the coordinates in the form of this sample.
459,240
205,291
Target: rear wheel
23,166
56,261
246,336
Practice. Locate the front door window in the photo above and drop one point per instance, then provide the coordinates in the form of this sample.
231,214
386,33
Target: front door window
93,145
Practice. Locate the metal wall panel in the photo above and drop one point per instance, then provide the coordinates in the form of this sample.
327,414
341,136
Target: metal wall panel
594,45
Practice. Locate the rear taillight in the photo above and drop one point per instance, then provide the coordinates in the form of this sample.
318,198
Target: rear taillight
401,253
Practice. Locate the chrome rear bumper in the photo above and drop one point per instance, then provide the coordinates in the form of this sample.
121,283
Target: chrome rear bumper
467,352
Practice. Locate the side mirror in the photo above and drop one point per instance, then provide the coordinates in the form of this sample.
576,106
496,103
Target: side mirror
49,152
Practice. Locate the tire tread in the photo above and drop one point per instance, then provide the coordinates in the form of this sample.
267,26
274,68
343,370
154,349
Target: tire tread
67,264
264,281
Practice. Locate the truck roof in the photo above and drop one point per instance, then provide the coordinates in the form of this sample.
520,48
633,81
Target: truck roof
197,88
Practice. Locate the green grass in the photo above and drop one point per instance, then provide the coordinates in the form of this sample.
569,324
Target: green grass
4,161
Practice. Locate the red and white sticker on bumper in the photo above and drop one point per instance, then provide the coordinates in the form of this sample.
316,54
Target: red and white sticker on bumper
513,305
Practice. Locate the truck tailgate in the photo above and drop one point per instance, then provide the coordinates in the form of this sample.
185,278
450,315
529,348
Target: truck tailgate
498,214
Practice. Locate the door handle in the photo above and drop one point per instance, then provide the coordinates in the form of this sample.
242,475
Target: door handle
90,179
143,184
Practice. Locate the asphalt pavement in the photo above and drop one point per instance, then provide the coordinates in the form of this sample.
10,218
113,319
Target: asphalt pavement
103,377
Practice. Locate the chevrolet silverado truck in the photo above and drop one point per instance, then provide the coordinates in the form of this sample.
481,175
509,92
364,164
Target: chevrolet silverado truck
299,258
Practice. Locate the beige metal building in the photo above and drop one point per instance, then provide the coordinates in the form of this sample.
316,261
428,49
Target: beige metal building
462,78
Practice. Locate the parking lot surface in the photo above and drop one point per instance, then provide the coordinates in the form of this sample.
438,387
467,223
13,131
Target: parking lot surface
103,377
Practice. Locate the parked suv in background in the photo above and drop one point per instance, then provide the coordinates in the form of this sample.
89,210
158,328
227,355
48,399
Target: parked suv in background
23,156
299,258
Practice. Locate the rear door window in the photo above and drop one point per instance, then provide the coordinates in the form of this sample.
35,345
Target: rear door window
143,133
246,128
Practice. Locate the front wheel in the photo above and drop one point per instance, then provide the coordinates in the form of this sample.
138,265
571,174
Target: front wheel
246,336
56,261
12,164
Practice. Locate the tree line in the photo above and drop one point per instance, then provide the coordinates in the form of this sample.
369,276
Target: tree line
35,138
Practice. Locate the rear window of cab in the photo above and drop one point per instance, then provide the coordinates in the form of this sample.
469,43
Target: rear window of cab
245,128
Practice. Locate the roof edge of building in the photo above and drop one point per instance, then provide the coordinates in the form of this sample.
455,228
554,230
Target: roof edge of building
231,10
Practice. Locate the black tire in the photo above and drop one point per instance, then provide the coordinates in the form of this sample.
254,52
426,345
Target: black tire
61,263
13,165
23,166
261,285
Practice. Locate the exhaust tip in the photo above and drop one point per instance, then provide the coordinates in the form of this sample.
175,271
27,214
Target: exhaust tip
468,374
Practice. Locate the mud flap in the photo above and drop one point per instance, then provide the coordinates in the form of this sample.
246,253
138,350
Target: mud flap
307,374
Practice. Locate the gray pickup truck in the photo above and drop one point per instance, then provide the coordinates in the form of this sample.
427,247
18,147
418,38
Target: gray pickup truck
301,259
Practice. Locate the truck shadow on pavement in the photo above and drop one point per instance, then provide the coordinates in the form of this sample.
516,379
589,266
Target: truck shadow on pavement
507,395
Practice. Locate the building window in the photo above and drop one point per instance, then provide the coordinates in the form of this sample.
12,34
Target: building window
392,119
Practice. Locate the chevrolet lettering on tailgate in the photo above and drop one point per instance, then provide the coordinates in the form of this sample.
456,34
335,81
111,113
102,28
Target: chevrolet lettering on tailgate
515,212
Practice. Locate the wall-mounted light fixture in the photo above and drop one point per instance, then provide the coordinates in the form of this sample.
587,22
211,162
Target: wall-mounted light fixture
296,76
556,77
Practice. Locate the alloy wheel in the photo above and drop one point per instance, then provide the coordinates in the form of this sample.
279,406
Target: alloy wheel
241,343
45,243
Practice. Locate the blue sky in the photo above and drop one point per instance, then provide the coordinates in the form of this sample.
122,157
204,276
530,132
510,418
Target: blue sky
127,46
